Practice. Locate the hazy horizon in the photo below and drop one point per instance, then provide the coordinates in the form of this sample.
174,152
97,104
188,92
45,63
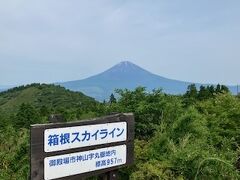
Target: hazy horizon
57,41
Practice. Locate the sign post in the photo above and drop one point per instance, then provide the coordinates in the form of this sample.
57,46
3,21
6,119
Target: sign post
76,150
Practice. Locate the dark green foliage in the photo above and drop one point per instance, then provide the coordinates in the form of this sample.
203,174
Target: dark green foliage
44,111
211,90
3,121
224,89
203,93
149,109
14,153
191,91
221,89
26,116
112,99
189,123
194,136
222,115
218,88
192,95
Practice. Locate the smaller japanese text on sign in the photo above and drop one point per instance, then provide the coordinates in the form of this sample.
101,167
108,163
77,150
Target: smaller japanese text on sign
69,164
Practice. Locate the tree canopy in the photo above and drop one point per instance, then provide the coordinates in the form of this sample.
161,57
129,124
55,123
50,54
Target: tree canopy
190,136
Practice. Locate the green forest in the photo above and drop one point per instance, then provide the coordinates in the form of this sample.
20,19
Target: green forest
191,136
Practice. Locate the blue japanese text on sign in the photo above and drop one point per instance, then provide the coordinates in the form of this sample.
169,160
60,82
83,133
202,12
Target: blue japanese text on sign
81,162
57,139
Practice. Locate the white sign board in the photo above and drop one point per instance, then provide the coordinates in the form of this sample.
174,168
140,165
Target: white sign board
81,162
58,139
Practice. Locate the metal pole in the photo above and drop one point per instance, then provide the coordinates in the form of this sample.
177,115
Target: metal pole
111,175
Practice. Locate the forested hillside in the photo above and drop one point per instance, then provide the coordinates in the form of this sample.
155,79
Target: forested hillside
40,95
194,136
45,99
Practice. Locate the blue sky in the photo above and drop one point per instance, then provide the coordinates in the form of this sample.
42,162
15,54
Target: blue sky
60,40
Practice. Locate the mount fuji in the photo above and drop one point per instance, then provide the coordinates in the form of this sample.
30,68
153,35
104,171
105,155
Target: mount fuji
125,75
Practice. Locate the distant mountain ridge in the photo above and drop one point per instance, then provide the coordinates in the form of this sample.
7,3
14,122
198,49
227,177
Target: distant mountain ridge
126,75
